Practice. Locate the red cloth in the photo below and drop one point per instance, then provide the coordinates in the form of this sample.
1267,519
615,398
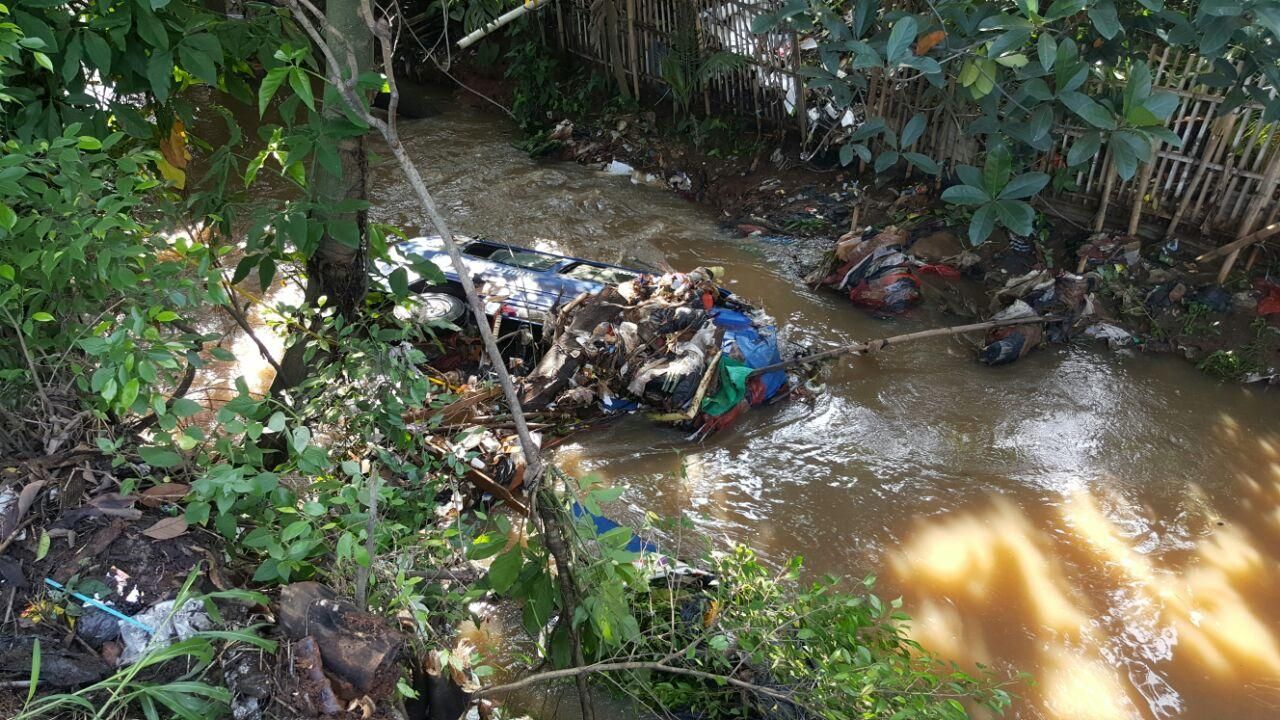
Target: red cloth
1269,304
945,271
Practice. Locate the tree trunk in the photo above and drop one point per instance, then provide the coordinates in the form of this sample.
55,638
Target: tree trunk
336,270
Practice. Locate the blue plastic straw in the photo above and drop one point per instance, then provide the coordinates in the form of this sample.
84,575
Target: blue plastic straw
94,603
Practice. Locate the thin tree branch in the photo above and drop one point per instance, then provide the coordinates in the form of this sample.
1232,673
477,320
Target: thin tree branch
552,675
31,365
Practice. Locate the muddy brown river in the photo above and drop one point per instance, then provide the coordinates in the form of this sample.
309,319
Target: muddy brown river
1109,523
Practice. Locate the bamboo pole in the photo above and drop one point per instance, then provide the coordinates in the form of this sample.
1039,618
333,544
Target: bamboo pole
631,43
882,343
1266,189
1109,175
1236,246
471,38
1217,137
1135,215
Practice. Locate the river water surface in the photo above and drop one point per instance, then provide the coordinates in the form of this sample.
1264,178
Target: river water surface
1108,523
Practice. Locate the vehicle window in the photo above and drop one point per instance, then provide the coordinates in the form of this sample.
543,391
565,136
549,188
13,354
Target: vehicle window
596,273
530,260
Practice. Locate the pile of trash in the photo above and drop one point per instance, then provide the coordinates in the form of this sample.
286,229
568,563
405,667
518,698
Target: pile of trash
676,343
878,272
1063,299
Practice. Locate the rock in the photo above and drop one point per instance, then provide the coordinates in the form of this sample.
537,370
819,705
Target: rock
937,247
356,647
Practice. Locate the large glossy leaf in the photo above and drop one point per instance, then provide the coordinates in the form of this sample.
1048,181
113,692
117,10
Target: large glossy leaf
995,172
913,130
900,39
965,195
1024,186
1016,215
983,222
969,175
1084,148
160,75
270,84
1084,106
1047,50
1105,19
1063,8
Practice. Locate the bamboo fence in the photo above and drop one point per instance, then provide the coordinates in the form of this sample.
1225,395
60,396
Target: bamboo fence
1221,182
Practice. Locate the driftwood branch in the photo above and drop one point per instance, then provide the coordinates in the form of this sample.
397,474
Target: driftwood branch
1242,243
873,345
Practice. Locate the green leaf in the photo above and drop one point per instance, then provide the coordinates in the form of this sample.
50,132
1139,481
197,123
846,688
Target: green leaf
900,38
71,60
886,160
129,393
99,52
913,130
42,60
160,75
34,679
1024,186
1014,60
8,218
1063,8
965,195
6,272
505,569
846,154
1161,106
301,438
266,272
1105,19
270,84
399,282
1124,160
345,232
983,222
88,142
1093,113
1016,215
197,58
160,457
41,316
184,407
995,172
1047,49
301,85
1041,121
1084,148
924,162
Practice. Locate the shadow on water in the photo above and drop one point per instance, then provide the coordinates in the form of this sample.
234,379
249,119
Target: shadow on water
1108,523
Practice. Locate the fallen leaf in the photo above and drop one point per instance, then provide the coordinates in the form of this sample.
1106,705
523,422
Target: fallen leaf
164,493
11,520
113,501
928,40
174,147
167,529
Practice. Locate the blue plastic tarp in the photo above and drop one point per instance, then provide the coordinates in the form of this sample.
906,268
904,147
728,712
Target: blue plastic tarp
758,346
